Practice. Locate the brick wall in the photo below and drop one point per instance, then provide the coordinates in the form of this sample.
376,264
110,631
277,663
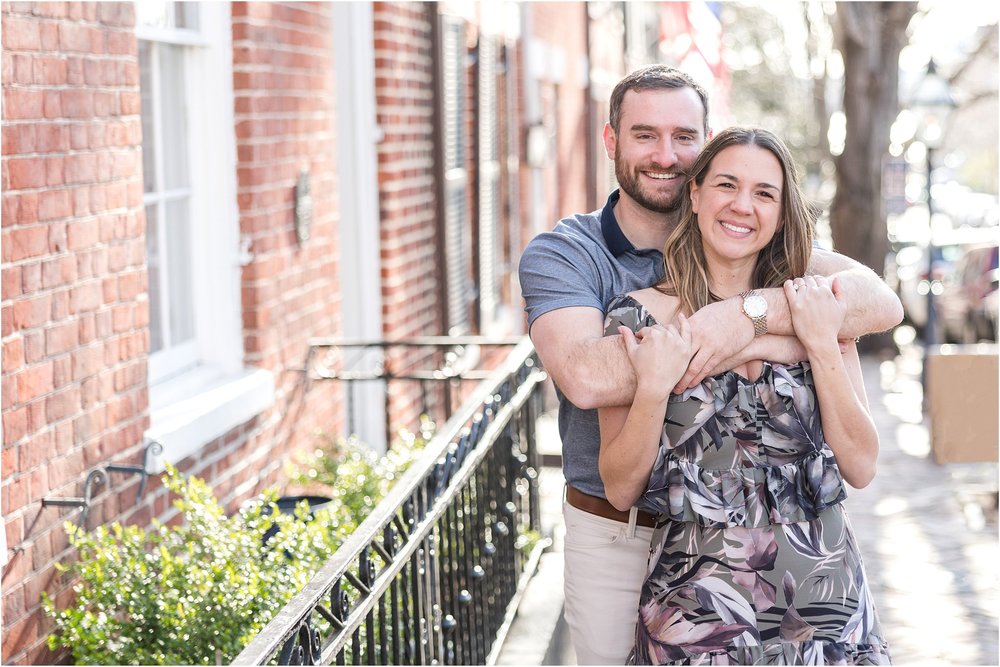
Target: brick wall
404,84
283,92
74,309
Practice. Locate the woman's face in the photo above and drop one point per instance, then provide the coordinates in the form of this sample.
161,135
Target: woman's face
739,203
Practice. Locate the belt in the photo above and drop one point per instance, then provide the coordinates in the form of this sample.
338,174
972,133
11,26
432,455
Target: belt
602,508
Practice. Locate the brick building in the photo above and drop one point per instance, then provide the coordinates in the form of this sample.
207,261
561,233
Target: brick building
192,191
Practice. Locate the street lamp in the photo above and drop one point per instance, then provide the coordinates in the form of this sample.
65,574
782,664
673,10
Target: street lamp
933,103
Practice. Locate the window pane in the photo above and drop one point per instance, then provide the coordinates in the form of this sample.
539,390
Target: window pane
148,115
173,123
186,15
153,13
178,238
153,259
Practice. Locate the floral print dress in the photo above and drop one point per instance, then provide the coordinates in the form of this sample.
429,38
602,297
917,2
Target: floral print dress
756,562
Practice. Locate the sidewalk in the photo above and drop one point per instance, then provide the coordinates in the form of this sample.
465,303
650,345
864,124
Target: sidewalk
928,534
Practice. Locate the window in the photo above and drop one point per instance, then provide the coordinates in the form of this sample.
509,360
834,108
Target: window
198,386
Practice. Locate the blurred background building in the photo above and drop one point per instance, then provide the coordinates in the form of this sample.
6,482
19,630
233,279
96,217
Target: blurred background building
194,191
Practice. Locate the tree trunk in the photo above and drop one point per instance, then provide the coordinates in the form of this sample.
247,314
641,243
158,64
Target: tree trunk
870,37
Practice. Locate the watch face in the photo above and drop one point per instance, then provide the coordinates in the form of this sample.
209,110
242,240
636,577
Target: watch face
755,305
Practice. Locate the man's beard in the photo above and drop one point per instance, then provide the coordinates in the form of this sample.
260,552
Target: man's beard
628,181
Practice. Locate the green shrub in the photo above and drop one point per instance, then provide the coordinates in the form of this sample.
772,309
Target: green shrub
353,474
191,593
197,592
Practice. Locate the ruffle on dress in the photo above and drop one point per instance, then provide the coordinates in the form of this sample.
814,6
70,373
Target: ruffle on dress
747,497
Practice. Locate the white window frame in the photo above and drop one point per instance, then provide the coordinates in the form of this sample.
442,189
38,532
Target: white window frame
215,393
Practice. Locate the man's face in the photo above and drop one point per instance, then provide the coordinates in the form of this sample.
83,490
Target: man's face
659,137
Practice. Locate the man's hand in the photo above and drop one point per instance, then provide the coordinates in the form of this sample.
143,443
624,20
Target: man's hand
872,307
719,331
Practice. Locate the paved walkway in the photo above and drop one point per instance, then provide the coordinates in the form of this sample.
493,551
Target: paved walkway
928,534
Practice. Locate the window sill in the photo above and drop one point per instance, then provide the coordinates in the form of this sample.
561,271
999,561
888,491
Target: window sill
190,411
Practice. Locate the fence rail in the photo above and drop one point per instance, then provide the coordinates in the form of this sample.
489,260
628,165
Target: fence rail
431,575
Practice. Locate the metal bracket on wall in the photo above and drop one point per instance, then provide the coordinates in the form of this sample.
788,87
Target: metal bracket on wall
152,447
94,477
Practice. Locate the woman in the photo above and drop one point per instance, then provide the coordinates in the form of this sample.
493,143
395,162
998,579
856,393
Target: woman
756,563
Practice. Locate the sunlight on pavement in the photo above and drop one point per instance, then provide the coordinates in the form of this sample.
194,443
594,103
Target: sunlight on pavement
912,439
922,594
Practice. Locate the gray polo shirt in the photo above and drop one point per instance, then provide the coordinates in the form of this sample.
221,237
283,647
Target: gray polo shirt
584,261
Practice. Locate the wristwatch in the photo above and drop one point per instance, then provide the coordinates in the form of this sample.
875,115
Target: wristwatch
755,307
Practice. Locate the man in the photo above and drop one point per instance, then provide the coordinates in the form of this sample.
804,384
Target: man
658,123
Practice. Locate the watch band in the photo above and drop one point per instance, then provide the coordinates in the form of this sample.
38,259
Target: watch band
759,321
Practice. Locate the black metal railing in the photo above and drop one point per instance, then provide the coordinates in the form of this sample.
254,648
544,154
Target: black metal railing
433,575
439,367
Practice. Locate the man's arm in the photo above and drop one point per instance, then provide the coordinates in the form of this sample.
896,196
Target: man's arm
590,369
720,330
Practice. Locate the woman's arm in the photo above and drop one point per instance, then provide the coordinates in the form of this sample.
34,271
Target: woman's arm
630,437
817,310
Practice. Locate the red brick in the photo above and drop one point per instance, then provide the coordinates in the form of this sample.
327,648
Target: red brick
116,14
105,105
129,103
31,278
50,70
52,138
122,44
60,305
34,346
11,282
20,103
55,174
13,355
54,204
74,36
25,173
30,313
29,242
62,404
18,139
58,271
20,34
14,528
83,234
85,297
61,338
81,168
87,361
52,106
20,634
49,32
15,427
34,382
17,494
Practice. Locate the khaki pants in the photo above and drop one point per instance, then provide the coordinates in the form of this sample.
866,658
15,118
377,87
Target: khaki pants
605,567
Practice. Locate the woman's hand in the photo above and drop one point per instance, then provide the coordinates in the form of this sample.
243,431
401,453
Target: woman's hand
817,309
659,354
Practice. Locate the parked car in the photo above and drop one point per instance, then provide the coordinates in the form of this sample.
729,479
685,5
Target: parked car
964,306
907,271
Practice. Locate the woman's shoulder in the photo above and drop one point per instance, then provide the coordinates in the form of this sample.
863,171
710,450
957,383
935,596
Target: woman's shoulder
638,309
